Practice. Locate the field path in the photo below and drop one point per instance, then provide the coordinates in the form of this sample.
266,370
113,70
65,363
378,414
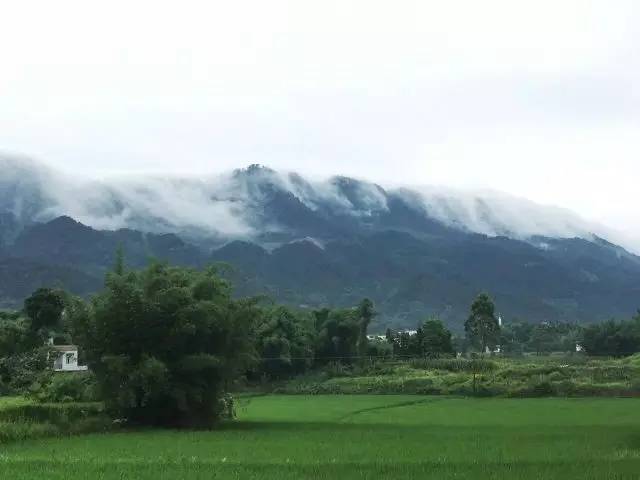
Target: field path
411,403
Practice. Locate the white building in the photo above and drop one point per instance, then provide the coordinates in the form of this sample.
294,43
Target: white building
376,337
66,359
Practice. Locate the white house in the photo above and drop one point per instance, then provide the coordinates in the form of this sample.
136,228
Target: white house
66,359
376,337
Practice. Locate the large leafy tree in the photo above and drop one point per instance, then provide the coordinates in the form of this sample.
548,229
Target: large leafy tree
482,326
284,342
337,334
612,338
44,308
165,342
436,338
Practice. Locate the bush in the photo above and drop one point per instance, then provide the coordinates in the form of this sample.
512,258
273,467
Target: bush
59,414
454,365
22,421
66,387
337,369
11,432
541,388
21,371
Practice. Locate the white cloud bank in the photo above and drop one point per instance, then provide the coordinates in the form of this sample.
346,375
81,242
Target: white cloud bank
225,205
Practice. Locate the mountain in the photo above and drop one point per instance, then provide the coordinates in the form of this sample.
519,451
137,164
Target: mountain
309,243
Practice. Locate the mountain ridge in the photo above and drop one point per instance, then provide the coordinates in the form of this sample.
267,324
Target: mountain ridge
257,203
315,243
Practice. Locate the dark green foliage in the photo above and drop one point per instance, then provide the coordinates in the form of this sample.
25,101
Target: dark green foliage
612,338
63,387
54,413
337,336
25,421
573,376
518,337
378,348
164,342
404,344
18,372
284,342
22,356
436,338
44,307
542,338
457,365
408,265
482,327
432,338
366,312
16,335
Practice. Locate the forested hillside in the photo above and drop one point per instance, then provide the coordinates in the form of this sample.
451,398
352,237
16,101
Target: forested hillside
314,243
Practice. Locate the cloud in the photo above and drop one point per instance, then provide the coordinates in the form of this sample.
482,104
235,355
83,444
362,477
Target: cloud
495,213
228,205
157,204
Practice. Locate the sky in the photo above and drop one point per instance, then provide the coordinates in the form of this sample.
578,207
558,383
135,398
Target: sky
540,99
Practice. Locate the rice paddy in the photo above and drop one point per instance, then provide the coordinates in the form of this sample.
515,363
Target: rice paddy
363,436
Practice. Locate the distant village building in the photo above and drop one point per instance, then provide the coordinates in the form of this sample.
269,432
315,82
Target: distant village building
376,337
66,358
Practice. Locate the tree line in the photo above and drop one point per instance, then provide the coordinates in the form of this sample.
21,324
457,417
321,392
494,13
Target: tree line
165,344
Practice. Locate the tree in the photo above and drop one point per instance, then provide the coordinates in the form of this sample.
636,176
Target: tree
612,338
337,334
165,342
366,312
16,337
482,327
284,342
406,344
44,307
436,338
542,338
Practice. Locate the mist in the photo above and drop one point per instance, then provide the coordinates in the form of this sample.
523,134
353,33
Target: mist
228,206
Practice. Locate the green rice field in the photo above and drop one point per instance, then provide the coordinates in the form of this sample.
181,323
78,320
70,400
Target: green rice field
360,437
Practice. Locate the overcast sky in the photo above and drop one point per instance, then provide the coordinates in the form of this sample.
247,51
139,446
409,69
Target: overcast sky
536,98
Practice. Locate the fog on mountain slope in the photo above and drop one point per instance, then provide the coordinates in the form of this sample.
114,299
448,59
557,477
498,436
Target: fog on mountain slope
231,205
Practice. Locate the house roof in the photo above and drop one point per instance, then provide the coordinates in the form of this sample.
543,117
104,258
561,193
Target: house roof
65,348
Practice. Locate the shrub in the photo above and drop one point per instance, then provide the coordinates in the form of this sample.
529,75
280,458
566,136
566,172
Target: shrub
66,387
454,365
541,388
22,420
11,432
556,376
60,414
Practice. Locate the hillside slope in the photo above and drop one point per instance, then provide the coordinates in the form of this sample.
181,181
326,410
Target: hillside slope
313,243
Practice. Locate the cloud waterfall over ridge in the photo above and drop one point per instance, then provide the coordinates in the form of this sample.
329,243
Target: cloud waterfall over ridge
232,205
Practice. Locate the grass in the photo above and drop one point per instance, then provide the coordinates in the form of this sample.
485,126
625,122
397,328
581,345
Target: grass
364,436
10,402
22,419
575,376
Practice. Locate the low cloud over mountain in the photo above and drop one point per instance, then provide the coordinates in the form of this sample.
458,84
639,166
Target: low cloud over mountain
312,243
255,202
